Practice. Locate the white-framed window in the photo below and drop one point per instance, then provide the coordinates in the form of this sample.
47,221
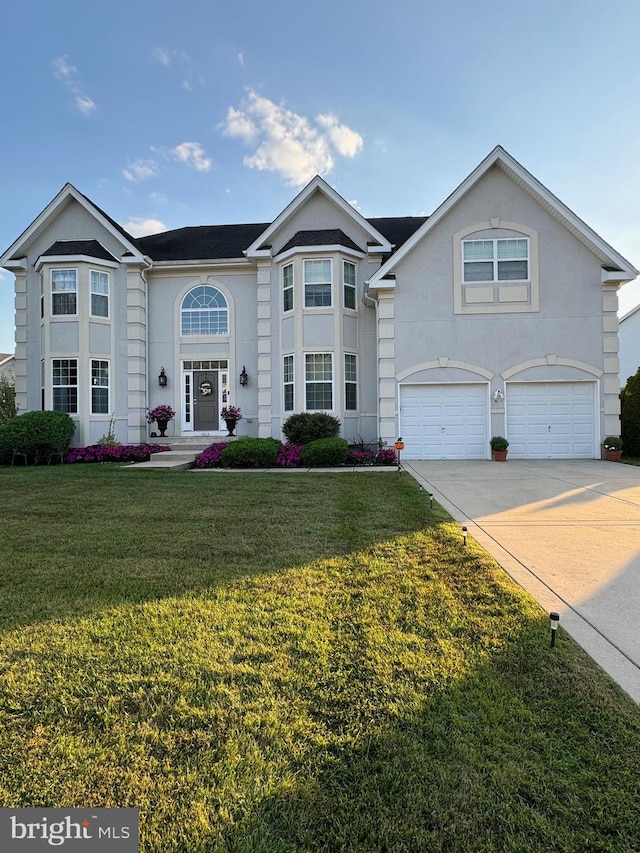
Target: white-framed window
41,296
64,291
204,311
99,293
288,387
317,283
287,288
318,374
99,387
349,284
64,373
502,259
350,382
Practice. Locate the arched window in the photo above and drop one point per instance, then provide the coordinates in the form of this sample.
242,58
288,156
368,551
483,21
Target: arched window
204,312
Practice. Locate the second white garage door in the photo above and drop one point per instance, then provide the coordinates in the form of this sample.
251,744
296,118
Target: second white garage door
444,421
551,419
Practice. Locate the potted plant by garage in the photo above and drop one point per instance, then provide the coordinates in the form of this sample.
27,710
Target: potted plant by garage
161,414
612,448
499,446
231,415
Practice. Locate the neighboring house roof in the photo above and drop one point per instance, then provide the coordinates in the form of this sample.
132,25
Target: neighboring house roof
5,356
324,237
90,248
615,266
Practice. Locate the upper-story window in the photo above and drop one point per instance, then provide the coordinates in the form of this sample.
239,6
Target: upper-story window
64,291
287,288
204,311
99,293
317,283
496,260
349,284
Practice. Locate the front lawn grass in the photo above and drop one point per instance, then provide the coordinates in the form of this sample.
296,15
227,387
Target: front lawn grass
280,663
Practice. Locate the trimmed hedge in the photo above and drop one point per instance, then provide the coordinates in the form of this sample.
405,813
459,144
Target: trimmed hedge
36,434
324,451
251,453
309,426
630,416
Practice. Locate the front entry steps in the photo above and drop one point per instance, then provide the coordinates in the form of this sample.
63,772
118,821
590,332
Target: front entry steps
184,450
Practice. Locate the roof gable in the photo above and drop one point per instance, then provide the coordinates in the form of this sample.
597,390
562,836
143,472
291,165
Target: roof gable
66,196
262,245
619,269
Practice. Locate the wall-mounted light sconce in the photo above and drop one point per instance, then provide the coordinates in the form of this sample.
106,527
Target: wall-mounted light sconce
497,395
162,378
244,378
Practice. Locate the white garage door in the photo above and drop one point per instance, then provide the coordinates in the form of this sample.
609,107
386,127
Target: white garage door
444,421
551,419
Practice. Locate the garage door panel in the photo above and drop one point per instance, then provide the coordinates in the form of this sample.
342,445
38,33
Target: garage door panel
444,421
551,419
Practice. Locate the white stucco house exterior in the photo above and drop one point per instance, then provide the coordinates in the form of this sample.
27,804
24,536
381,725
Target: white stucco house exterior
629,344
496,315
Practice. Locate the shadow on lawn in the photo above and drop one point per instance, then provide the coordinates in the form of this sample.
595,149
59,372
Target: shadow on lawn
536,750
78,539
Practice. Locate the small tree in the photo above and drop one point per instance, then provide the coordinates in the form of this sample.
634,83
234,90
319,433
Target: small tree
7,400
630,415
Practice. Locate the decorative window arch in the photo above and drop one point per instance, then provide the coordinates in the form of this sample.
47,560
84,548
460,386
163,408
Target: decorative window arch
204,311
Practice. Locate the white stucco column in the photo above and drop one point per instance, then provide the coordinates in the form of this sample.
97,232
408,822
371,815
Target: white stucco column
610,361
387,385
136,355
265,355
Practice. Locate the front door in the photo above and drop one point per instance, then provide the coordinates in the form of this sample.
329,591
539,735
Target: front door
206,416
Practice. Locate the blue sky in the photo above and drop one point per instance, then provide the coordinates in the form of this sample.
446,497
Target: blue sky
202,112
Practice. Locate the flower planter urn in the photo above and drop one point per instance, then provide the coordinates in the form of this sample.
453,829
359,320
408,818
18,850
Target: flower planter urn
231,425
162,426
612,455
499,455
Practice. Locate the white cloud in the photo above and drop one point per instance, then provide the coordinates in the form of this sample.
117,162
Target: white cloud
346,141
183,65
241,59
288,143
163,56
140,227
141,170
192,153
68,75
85,104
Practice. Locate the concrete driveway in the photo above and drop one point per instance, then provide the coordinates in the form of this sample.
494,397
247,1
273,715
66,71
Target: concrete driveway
568,531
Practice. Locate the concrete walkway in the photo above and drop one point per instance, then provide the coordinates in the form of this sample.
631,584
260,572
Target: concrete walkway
568,531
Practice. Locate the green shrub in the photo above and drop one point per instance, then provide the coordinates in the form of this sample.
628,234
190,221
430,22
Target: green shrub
251,453
8,409
324,451
36,434
630,415
309,426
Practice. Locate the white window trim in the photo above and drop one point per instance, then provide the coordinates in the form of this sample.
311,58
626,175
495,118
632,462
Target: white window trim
350,381
353,287
107,386
333,381
292,383
306,307
503,304
62,269
287,288
106,316
201,336
76,386
495,260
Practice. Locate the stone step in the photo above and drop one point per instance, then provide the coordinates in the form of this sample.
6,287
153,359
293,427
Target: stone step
184,450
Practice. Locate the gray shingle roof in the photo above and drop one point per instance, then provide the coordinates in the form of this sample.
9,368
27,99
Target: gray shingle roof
326,237
91,248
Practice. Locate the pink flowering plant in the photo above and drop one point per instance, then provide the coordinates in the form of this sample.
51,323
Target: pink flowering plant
210,457
111,453
231,412
163,412
289,456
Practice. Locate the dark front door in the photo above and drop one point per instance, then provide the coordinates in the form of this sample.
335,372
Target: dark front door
206,414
